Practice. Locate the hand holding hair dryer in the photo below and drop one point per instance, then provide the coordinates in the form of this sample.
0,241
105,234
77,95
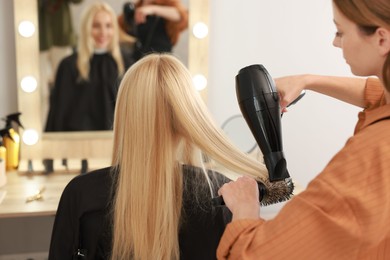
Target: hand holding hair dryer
259,103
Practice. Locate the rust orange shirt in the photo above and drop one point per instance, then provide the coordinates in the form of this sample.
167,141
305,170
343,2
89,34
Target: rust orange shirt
345,211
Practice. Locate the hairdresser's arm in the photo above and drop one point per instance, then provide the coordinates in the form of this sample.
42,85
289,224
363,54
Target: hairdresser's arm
347,89
169,13
342,214
242,198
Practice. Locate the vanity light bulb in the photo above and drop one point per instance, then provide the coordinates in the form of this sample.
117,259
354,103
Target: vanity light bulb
30,136
200,30
200,82
29,84
26,28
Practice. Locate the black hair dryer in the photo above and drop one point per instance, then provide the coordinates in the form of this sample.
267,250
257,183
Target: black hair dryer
259,104
128,15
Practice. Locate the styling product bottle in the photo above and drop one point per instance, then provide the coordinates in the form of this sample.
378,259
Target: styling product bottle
3,176
12,144
11,141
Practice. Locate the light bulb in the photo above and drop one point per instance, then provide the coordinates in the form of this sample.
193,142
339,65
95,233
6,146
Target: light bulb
26,28
200,30
29,84
200,82
30,136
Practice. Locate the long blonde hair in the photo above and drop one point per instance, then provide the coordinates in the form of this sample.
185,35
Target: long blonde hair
85,47
160,122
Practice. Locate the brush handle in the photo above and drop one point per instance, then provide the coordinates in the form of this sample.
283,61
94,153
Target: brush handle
219,202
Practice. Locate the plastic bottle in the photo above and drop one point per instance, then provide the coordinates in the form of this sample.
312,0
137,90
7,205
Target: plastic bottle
11,140
12,144
3,176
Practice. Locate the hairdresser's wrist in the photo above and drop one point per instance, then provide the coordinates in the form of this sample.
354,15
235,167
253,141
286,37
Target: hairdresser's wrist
308,81
248,211
167,12
153,9
317,83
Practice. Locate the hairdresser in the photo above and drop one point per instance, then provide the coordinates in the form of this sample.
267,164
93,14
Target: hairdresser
157,25
344,212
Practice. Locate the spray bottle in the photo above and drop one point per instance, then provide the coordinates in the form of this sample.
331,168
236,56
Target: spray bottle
11,140
3,177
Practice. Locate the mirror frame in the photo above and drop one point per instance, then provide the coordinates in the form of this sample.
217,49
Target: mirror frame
96,146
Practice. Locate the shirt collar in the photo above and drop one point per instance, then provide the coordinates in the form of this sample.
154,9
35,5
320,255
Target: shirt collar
369,117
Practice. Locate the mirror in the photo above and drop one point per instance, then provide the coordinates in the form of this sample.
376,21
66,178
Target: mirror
236,128
74,107
238,131
95,146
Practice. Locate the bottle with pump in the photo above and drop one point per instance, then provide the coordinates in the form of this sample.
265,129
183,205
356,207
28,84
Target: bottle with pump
3,176
11,140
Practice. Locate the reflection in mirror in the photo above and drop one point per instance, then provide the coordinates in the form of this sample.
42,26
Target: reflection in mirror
85,86
82,79
236,128
77,145
238,131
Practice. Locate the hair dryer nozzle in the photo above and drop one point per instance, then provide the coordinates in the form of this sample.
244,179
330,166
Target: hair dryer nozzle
259,104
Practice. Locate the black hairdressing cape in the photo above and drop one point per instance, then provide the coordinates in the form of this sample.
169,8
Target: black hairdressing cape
84,105
83,223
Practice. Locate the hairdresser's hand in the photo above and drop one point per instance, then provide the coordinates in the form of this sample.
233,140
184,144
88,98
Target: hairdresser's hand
289,88
142,12
242,198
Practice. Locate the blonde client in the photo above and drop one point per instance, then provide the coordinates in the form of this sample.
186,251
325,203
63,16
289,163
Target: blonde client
155,200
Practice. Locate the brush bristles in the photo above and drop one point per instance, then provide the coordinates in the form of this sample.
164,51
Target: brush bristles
277,191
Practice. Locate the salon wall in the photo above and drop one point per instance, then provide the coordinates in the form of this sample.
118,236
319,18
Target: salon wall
7,61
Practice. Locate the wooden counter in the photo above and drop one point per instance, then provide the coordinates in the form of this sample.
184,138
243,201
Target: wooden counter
20,186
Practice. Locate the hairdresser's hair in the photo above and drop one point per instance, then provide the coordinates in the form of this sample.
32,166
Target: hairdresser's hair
160,123
369,15
85,48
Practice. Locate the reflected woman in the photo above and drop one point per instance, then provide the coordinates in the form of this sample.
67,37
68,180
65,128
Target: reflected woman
85,89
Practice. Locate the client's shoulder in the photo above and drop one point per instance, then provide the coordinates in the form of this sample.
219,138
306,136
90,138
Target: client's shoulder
91,180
